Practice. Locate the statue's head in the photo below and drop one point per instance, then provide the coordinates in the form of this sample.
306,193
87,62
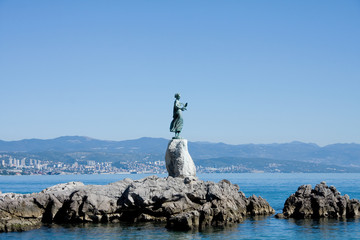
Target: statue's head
177,95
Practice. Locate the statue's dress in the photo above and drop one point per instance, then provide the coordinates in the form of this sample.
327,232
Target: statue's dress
177,122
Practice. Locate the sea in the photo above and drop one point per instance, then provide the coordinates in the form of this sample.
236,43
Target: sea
274,187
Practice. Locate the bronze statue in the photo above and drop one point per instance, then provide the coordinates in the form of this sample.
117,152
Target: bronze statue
177,122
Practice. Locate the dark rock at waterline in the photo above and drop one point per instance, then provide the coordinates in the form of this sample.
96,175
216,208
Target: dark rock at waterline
321,202
183,204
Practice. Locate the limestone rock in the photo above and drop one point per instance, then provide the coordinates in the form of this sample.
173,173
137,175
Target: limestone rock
258,206
63,187
184,203
188,204
178,160
321,202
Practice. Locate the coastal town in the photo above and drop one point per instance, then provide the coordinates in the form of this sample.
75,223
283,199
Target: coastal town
10,165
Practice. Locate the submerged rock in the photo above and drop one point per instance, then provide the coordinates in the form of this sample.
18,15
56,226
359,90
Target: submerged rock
321,202
183,203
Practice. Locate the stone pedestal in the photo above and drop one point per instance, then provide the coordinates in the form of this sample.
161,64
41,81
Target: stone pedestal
178,160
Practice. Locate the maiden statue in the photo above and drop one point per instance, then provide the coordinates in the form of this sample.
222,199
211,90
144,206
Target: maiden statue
177,122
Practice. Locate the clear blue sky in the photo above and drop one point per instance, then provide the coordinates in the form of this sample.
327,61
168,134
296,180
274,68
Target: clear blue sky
252,71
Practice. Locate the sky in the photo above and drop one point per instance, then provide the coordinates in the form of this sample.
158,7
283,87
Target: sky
251,71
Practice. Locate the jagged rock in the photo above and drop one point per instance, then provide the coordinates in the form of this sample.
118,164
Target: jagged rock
178,160
184,221
258,206
184,203
320,202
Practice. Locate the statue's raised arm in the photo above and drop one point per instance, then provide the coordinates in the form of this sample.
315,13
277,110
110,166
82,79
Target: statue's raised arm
177,122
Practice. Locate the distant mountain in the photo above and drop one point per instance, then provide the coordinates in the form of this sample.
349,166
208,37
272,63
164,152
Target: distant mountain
345,155
78,144
338,154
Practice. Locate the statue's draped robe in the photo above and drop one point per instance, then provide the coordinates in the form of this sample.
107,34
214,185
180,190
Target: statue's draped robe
177,122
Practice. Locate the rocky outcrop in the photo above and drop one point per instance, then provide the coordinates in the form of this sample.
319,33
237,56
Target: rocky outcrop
183,203
178,160
321,202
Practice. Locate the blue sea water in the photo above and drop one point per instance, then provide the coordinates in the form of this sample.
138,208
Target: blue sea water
274,187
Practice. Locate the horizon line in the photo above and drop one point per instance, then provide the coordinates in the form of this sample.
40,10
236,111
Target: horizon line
91,138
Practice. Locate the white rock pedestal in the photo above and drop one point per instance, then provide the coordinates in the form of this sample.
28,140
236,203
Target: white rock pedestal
178,160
